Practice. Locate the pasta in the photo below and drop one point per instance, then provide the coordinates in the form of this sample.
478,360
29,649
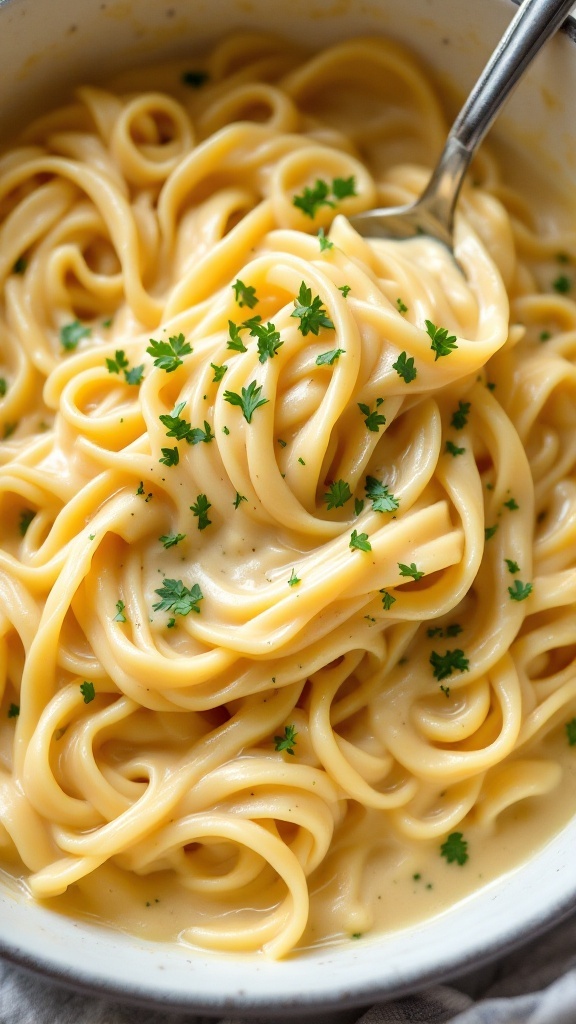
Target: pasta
287,571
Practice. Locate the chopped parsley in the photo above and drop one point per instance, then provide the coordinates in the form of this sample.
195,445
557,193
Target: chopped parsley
294,579
167,354
388,600
520,591
170,456
338,494
13,711
544,336
248,401
460,417
26,517
325,243
342,187
329,358
219,372
445,690
455,849
199,434
88,691
380,496
200,510
345,289
268,340
177,427
570,730
3,387
452,449
489,531
195,79
245,295
234,338
310,312
444,665
238,499
562,284
442,344
135,374
410,570
374,420
358,506
511,504
71,334
286,742
120,365
402,307
120,608
170,540
20,265
512,566
177,598
313,198
359,541
405,368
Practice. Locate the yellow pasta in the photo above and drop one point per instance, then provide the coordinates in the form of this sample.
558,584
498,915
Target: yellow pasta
287,571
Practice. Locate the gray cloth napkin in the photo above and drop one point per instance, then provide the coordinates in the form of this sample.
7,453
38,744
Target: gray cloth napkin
534,985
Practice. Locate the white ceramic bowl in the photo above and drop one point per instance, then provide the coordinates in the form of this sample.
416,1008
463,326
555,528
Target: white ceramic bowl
46,46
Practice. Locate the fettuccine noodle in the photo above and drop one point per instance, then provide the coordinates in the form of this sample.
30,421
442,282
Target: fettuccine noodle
287,516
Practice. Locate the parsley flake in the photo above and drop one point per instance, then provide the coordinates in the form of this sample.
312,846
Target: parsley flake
200,510
245,295
177,598
219,372
288,741
402,307
441,342
13,711
342,187
359,541
410,570
248,401
570,731
3,387
388,599
338,494
460,417
512,566
134,375
20,265
294,579
325,243
235,339
170,540
120,607
520,591
345,289
489,531
310,312
455,849
562,284
444,665
374,420
238,499
167,354
511,504
26,517
329,358
405,368
452,449
194,79
312,199
380,496
170,456
88,691
71,334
